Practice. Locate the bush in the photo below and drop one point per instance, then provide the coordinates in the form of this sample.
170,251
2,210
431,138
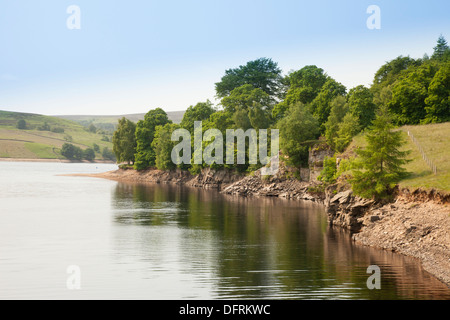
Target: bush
71,152
329,172
89,154
58,130
21,124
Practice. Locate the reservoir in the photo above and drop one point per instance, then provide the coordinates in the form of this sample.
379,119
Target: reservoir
68,237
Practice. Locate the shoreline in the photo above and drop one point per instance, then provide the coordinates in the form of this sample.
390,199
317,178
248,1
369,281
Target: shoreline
415,224
54,160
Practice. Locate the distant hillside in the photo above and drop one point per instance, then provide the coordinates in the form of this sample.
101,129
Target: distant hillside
109,122
44,136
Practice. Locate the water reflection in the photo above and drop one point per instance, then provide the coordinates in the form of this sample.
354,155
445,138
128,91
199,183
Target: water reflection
218,246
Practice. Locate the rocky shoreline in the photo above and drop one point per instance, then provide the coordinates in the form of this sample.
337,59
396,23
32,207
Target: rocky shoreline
415,224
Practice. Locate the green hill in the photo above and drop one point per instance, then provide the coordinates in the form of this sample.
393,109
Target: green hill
109,122
435,143
44,136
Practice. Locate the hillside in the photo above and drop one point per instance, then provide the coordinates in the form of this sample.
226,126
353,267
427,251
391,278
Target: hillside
44,136
434,141
109,122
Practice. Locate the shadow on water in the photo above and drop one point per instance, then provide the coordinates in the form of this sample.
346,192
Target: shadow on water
251,248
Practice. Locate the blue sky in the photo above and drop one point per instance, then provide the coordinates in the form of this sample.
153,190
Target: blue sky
132,56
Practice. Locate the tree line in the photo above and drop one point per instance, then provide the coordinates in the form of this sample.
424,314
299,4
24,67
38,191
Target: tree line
306,105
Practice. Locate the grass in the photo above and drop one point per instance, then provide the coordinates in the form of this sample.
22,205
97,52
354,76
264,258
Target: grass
434,139
36,144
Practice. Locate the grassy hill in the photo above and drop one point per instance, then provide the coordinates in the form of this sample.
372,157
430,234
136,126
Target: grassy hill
44,136
435,142
109,123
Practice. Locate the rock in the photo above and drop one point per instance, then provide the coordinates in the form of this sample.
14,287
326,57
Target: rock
374,218
342,197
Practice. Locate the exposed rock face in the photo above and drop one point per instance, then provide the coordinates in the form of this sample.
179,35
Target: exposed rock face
316,157
346,210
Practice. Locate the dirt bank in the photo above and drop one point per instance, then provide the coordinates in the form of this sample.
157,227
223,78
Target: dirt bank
416,223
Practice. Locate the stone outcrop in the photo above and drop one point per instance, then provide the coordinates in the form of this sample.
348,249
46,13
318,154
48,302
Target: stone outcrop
346,210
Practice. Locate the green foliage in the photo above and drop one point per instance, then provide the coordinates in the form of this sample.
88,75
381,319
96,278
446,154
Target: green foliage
297,128
321,105
89,154
438,101
348,128
44,127
304,85
108,154
200,112
244,97
339,109
92,128
163,145
441,48
360,103
145,131
389,72
71,152
262,73
57,130
329,171
96,147
124,141
379,165
409,94
21,124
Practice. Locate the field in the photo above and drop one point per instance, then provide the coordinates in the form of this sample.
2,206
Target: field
109,122
435,142
37,141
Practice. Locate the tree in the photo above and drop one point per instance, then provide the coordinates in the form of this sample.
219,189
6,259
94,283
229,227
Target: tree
163,145
124,141
145,132
409,93
200,112
441,48
89,154
244,97
71,152
262,73
297,129
339,109
321,106
348,128
379,165
360,103
304,86
389,72
108,154
438,101
92,128
96,147
21,124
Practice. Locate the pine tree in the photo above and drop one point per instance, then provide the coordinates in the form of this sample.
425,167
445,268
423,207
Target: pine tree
441,48
379,165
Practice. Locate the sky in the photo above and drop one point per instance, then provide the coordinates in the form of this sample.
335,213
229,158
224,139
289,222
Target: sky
132,56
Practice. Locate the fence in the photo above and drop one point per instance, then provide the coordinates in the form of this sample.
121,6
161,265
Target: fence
424,156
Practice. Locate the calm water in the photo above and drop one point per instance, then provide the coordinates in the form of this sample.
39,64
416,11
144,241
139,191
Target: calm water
171,242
